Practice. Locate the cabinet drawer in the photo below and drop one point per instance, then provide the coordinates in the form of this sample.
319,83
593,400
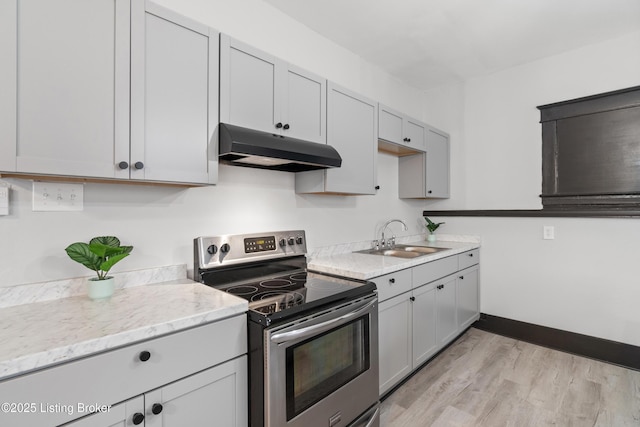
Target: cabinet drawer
120,374
393,284
467,259
434,270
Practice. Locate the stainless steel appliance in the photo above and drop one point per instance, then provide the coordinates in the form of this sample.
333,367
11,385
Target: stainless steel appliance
313,338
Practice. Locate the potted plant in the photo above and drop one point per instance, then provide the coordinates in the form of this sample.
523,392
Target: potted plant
432,227
99,255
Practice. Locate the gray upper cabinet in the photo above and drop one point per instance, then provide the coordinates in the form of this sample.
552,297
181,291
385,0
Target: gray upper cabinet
397,128
262,92
72,88
8,78
174,106
91,73
437,184
351,129
426,175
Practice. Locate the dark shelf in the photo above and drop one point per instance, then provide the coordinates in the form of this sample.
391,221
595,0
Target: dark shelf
539,213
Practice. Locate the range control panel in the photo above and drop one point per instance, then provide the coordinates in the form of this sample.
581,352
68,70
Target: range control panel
216,251
260,244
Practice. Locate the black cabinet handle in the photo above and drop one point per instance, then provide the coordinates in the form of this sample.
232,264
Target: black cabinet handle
278,125
377,187
408,139
461,277
123,165
156,408
392,280
144,356
137,418
470,255
429,191
138,165
412,298
405,139
286,126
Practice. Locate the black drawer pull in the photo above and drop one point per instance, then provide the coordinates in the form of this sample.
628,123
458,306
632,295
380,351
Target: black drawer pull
156,408
392,280
137,418
144,356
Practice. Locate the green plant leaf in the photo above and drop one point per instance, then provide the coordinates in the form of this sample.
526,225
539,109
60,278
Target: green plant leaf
106,266
112,241
81,253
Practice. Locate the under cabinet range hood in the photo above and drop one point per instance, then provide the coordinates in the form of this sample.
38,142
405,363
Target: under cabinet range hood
251,148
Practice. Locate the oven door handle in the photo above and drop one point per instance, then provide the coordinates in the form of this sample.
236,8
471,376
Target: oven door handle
320,327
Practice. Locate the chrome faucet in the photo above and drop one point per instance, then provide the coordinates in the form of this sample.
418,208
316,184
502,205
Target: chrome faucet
391,244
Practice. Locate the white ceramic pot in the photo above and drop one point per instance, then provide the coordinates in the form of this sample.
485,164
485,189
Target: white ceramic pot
100,289
431,237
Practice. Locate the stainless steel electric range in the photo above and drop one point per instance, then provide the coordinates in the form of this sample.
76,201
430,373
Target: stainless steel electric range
313,338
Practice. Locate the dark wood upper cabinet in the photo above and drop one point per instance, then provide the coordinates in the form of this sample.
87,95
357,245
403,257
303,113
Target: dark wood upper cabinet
591,152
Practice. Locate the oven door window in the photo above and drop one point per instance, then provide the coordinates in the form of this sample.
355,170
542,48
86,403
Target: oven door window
322,364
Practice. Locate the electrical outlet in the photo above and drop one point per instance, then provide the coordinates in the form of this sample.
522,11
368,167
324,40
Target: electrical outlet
57,196
548,232
4,199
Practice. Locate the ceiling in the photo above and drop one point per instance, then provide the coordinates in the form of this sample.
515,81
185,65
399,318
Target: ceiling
428,43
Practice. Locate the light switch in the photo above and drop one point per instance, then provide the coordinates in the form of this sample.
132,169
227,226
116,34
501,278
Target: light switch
548,232
57,196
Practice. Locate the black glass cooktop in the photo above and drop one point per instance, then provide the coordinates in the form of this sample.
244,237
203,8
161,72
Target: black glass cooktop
293,293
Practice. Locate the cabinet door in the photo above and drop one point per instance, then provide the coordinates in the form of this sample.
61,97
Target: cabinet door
413,134
8,81
305,106
446,324
425,342
217,396
120,415
395,336
437,175
351,129
249,85
390,124
174,100
73,87
468,306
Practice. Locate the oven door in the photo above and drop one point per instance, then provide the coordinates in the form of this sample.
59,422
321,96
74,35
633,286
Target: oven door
323,370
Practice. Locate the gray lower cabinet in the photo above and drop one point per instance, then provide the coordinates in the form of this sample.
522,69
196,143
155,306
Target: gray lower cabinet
426,175
394,340
193,377
424,307
421,310
468,297
207,398
262,92
351,129
82,76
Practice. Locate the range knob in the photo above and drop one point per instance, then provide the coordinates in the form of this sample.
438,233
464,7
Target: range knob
299,240
291,241
283,242
212,249
225,248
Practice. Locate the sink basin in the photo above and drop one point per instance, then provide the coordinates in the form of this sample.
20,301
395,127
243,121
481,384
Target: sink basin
403,251
400,253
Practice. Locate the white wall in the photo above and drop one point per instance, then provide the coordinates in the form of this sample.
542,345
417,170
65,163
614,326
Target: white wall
161,222
586,280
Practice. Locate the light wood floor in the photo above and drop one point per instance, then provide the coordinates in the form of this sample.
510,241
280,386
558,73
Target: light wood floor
489,380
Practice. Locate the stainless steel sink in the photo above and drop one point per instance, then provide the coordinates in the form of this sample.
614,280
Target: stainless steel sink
403,251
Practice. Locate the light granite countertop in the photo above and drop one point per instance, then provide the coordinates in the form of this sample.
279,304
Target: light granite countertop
343,261
44,333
